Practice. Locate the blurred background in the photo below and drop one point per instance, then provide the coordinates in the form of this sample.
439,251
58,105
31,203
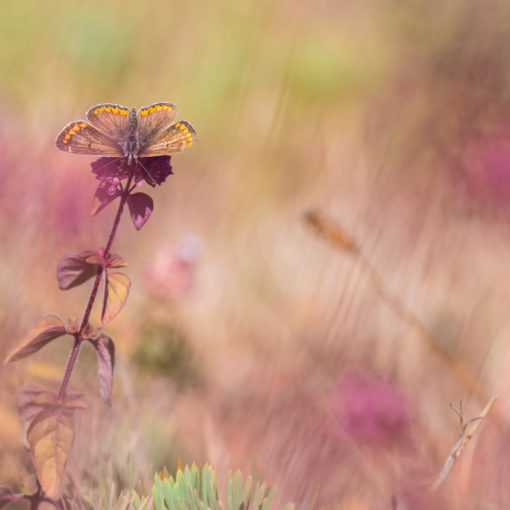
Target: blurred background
254,338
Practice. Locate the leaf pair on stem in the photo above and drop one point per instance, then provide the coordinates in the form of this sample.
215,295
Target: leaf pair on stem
47,419
75,269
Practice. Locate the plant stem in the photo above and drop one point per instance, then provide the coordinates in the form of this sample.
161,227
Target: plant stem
78,339
69,368
123,199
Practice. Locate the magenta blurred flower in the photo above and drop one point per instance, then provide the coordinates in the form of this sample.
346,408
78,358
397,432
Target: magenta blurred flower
486,168
171,273
371,410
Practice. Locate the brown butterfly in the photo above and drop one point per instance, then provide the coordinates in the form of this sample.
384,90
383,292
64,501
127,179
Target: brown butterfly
119,132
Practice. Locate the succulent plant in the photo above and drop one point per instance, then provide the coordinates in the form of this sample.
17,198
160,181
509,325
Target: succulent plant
195,488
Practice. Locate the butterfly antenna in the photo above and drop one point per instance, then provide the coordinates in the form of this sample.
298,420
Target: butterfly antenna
148,176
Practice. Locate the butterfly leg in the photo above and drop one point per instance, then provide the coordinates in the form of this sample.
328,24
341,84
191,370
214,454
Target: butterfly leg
148,176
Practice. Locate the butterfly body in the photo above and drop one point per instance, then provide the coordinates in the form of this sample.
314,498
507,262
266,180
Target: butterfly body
117,131
131,145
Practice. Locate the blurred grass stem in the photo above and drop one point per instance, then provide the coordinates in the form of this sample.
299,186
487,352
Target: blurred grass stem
331,231
467,431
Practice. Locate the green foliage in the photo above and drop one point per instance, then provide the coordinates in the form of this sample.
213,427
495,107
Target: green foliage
124,502
166,350
195,489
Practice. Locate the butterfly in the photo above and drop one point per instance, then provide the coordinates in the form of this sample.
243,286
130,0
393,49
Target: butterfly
116,131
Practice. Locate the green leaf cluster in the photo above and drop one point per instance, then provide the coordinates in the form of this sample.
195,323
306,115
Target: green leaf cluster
195,488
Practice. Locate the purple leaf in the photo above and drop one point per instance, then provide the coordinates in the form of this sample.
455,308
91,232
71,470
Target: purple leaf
46,330
30,401
48,431
76,268
114,261
101,199
158,169
73,401
106,167
140,208
105,350
50,437
96,259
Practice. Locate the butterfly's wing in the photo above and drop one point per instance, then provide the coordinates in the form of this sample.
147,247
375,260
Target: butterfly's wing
174,139
154,119
111,119
80,137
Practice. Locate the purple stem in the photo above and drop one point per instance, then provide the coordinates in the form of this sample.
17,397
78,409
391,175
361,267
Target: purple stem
78,339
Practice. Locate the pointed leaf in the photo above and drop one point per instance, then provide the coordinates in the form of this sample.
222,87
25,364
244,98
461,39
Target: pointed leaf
140,207
73,401
76,268
115,261
157,495
46,330
50,437
102,199
96,259
268,500
247,491
115,294
105,350
31,400
237,489
228,495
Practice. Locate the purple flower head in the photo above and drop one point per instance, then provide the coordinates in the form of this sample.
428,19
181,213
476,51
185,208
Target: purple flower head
111,171
481,169
371,410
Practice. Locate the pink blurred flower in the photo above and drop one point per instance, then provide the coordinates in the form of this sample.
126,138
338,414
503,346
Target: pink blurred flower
370,410
171,273
485,168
